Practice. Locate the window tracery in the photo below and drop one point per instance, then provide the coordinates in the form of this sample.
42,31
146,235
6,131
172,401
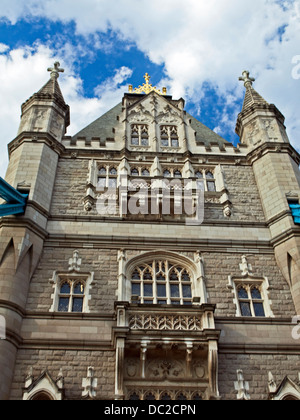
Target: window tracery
169,136
161,282
207,178
139,135
107,177
71,296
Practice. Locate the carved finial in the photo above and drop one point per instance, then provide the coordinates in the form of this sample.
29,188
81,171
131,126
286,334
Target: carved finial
248,81
75,262
271,383
55,70
89,384
245,268
242,387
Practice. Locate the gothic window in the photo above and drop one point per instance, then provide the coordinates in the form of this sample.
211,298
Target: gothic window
161,282
139,135
71,296
172,173
145,172
135,172
208,180
250,299
102,177
169,136
107,177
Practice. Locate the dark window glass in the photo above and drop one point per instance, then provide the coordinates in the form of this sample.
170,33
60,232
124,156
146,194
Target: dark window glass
77,304
161,290
187,291
136,275
150,397
65,289
243,294
147,275
136,289
175,291
245,309
79,289
63,304
135,172
134,397
255,293
259,310
174,276
148,290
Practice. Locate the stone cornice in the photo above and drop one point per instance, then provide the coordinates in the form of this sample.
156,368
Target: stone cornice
36,138
273,147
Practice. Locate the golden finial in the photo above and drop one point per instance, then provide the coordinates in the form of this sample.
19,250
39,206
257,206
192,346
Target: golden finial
147,87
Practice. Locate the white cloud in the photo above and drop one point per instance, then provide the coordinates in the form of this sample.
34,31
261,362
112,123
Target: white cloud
198,41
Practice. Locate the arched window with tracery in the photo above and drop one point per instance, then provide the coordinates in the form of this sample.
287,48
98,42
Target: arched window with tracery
71,296
161,282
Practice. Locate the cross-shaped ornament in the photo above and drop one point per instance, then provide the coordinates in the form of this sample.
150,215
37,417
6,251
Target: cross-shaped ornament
55,70
248,81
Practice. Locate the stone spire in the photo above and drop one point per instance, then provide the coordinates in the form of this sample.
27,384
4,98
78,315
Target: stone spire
259,121
46,111
251,96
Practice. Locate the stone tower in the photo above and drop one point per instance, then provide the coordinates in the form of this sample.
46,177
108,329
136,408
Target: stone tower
32,167
110,287
276,168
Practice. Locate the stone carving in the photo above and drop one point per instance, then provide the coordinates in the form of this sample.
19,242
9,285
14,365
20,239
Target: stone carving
165,322
75,262
199,370
89,384
131,368
56,128
253,131
164,369
168,116
242,387
140,114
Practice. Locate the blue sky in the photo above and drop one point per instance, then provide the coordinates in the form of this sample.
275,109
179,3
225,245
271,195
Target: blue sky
198,49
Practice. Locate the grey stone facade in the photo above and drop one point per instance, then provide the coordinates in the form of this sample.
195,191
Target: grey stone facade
213,318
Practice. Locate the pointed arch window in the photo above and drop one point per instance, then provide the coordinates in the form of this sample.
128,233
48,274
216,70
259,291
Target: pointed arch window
161,282
107,177
251,302
139,135
208,179
71,296
169,136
